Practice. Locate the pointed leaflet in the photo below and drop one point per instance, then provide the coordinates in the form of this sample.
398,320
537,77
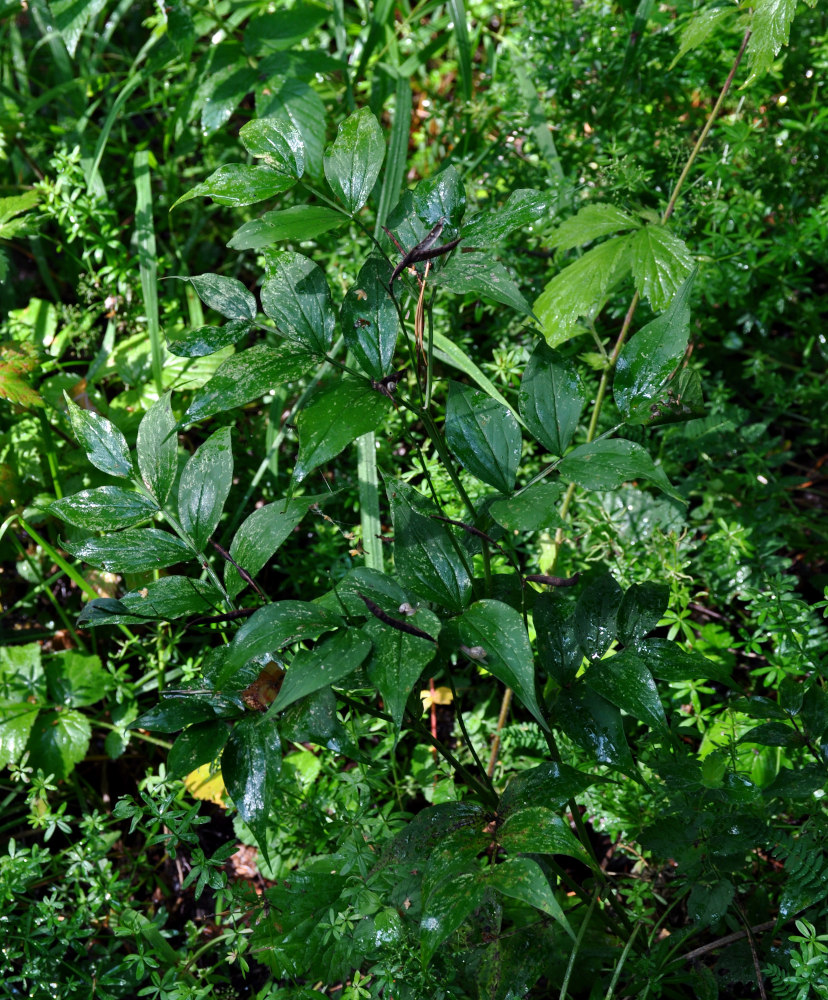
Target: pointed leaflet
261,534
105,445
667,660
770,28
227,296
369,320
661,264
336,416
229,87
551,783
326,664
398,659
106,508
626,682
533,509
132,551
483,435
500,631
237,184
606,464
276,141
58,741
207,340
300,222
205,484
165,599
297,297
16,362
551,398
580,289
486,279
524,209
353,161
250,765
418,211
557,642
157,449
446,909
594,724
641,610
425,550
248,375
591,222
198,744
293,100
537,830
595,615
524,879
648,361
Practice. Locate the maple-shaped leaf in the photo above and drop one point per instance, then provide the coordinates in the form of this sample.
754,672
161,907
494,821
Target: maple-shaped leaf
17,361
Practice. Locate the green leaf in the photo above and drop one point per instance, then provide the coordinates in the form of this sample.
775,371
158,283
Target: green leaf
551,783
533,509
702,24
297,297
641,610
165,599
272,627
250,764
484,436
484,278
337,415
524,879
626,682
105,508
199,744
607,464
450,353
425,550
157,449
276,141
207,340
648,362
176,711
314,720
595,615
551,398
661,264
248,375
773,734
709,904
668,661
398,660
204,487
261,534
72,17
591,222
524,209
581,288
282,29
446,909
417,212
21,673
537,830
237,184
326,664
76,679
499,630
132,551
353,161
595,725
378,587
295,101
369,319
559,651
58,741
229,87
16,722
105,445
227,296
16,361
299,222
770,28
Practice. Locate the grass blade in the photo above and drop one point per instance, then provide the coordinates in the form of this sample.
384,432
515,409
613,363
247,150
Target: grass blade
461,31
147,260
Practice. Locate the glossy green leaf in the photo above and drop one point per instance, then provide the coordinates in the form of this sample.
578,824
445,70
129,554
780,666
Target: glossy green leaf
204,487
641,610
237,184
299,222
250,764
378,587
533,509
157,449
165,599
667,660
551,784
294,100
198,744
105,445
524,209
648,362
58,741
272,627
661,264
132,551
248,375
326,664
207,340
230,88
702,24
72,17
398,660
595,725
580,289
261,534
16,721
337,415
773,734
425,550
283,28
276,141
607,464
22,677
708,904
524,879
559,652
369,319
595,615
538,830
590,223
551,398
499,630
439,197
76,679
106,508
770,28
449,353
314,719
624,681
353,161
296,296
446,910
483,435
468,274
180,709
227,296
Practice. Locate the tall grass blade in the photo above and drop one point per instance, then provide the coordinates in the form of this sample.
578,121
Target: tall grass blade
147,261
461,32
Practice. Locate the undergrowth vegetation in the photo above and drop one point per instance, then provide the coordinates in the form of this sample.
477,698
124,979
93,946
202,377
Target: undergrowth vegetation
413,549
